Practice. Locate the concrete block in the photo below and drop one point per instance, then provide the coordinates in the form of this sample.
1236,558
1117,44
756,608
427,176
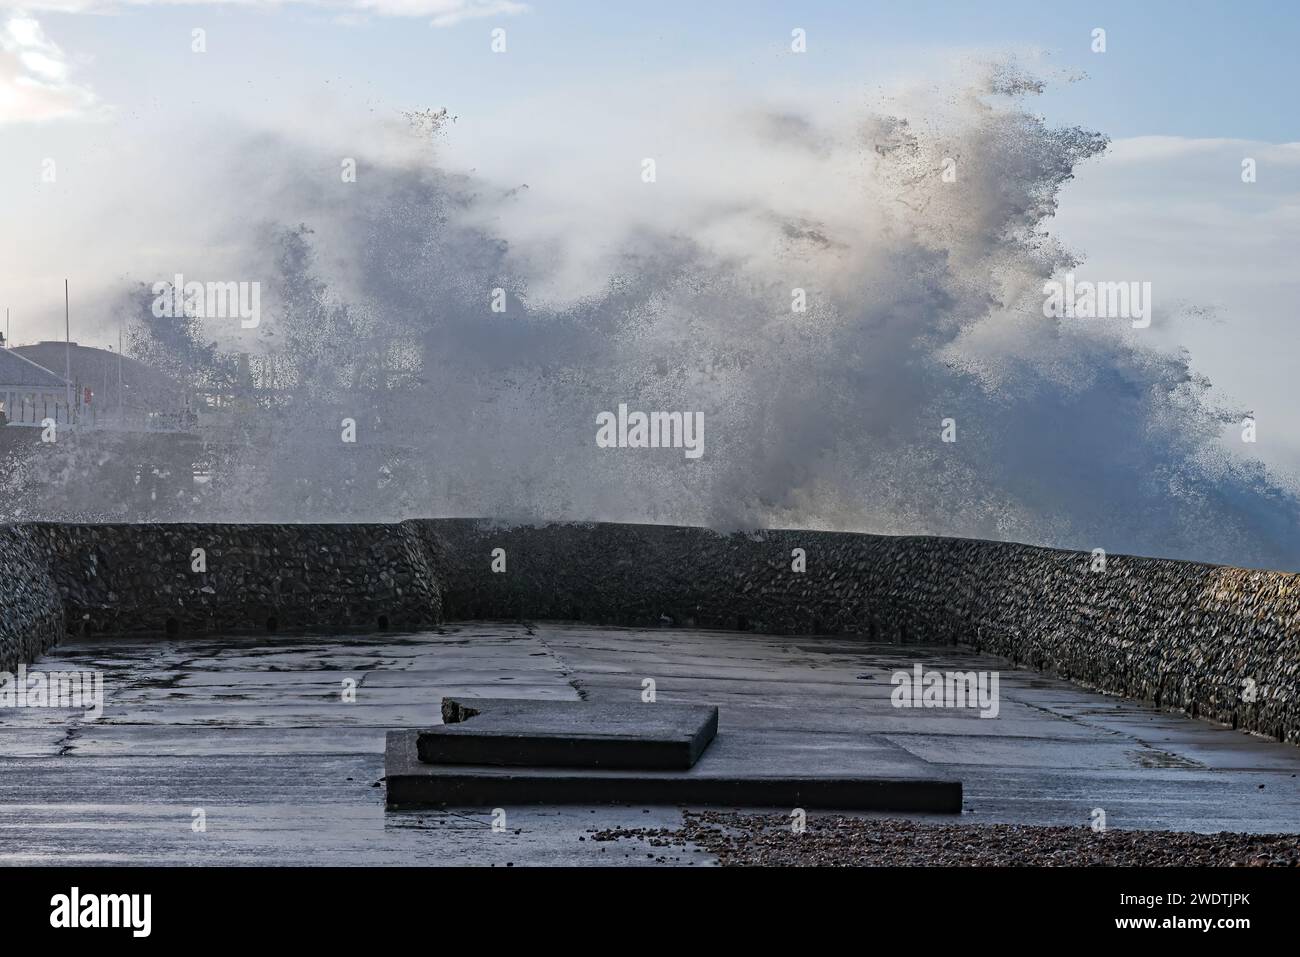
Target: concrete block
568,734
738,770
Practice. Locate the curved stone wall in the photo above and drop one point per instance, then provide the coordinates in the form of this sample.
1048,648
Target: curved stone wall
249,578
31,609
1219,643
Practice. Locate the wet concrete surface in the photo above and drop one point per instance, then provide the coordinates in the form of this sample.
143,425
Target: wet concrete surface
255,733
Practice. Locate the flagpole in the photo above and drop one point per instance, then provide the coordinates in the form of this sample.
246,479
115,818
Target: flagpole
67,355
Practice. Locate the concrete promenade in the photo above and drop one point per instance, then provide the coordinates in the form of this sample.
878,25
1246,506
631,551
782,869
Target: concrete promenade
254,732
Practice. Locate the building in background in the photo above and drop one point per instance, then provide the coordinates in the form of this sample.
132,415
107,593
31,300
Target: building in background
130,451
30,392
113,391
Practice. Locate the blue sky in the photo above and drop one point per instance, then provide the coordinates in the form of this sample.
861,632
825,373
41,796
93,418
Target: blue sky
1184,69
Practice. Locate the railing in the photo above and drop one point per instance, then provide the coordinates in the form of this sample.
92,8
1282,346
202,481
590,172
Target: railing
33,415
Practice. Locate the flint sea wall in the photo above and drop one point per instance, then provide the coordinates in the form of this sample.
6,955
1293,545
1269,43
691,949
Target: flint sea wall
1216,642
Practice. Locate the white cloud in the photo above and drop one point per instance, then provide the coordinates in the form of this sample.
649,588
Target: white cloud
440,13
1155,149
457,10
35,78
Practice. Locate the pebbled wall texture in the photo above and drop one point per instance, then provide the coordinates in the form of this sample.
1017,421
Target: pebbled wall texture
1216,642
122,579
31,608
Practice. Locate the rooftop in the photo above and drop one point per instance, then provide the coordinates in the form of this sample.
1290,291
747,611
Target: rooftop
17,370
